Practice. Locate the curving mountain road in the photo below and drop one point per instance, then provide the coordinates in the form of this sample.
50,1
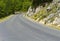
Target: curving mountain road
18,28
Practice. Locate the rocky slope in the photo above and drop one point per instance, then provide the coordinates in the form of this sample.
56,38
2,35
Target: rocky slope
50,14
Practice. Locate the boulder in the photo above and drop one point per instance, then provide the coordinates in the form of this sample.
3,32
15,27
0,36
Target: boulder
37,9
29,12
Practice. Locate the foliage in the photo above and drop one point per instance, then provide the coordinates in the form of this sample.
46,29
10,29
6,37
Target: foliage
8,7
43,13
36,3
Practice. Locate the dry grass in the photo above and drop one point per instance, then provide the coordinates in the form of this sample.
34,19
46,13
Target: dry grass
54,26
6,18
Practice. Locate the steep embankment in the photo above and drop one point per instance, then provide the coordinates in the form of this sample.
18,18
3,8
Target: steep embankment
50,14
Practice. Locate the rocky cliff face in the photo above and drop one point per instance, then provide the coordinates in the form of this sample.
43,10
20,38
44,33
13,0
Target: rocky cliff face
49,14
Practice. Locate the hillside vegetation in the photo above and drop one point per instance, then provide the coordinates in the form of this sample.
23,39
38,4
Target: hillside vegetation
8,7
47,12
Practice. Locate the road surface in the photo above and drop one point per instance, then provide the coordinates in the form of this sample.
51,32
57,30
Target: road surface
18,28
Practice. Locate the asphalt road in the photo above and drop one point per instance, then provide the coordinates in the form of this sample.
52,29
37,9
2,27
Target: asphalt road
18,28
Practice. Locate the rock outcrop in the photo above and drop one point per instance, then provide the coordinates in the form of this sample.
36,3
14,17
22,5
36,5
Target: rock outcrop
54,13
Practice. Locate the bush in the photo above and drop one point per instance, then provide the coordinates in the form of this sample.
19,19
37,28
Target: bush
8,7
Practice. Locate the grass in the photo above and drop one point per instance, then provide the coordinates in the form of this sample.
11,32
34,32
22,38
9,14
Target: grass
55,27
42,14
5,18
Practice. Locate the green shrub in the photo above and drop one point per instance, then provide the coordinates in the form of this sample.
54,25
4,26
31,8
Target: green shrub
8,7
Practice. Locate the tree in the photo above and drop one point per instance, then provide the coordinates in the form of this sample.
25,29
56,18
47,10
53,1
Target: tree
8,7
36,3
2,7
